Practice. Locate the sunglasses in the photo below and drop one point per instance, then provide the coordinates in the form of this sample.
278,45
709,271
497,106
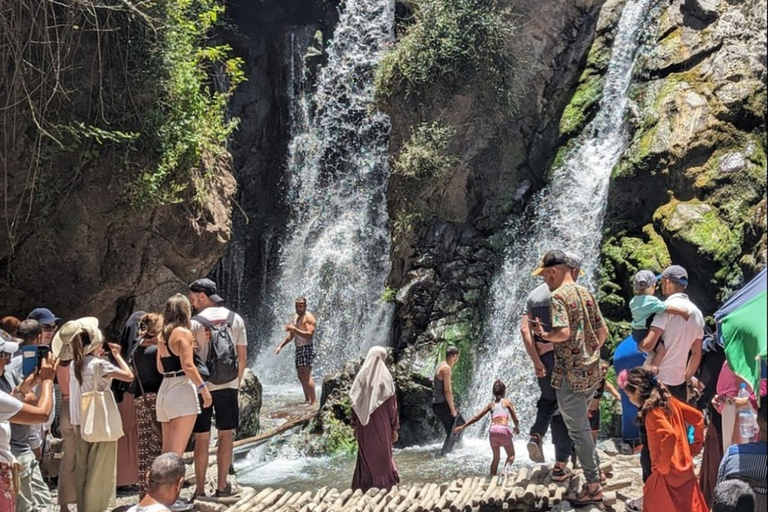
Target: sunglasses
50,328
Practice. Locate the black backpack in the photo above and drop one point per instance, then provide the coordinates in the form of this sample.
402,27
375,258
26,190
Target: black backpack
222,355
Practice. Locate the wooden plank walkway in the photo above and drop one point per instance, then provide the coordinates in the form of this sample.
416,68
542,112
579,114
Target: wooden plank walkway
531,489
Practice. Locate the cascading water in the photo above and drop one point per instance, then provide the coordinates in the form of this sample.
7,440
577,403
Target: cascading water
567,214
336,251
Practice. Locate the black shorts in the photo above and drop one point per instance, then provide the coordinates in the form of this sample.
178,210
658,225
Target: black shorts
594,420
226,408
305,355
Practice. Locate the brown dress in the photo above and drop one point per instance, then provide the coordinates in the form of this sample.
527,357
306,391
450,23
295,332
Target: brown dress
375,467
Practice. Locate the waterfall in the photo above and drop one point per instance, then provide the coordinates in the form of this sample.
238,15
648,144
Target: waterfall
567,214
336,249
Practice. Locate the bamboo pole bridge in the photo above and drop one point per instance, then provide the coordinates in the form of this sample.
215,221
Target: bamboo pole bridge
531,489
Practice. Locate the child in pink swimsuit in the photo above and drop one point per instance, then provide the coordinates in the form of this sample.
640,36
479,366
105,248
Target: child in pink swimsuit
500,434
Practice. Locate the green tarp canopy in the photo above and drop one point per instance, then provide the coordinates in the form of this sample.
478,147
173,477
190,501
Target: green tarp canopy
742,326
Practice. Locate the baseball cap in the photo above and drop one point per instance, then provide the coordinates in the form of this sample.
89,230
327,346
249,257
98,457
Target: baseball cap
643,280
551,259
574,262
676,273
7,343
43,315
207,287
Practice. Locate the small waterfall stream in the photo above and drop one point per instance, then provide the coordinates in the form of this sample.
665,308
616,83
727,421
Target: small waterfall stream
337,244
567,214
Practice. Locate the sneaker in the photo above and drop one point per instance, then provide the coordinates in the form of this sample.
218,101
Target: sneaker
534,449
181,505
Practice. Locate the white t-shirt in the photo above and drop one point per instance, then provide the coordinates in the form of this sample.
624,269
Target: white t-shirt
156,507
679,335
9,406
217,315
76,390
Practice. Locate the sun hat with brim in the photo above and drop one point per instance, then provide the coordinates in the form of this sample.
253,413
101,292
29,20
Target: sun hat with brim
7,343
62,341
551,259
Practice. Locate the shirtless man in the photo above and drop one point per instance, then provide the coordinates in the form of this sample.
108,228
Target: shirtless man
301,331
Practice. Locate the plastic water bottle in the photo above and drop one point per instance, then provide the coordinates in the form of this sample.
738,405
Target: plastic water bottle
746,417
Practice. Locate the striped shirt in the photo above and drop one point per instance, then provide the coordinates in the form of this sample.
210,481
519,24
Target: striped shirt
748,461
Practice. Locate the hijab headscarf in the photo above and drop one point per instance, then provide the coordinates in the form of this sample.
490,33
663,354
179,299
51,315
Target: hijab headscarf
373,385
128,341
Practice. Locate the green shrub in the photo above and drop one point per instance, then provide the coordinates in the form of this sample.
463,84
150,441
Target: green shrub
425,156
449,42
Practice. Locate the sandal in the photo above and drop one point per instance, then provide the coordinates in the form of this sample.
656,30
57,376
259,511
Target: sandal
534,449
227,492
586,497
560,474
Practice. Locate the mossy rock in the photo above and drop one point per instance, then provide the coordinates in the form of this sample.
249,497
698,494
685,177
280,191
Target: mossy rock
582,105
700,225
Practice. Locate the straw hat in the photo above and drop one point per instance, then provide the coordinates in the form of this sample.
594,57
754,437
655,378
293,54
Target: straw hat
61,344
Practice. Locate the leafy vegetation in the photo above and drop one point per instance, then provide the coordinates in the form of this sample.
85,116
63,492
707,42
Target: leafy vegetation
425,156
135,87
449,42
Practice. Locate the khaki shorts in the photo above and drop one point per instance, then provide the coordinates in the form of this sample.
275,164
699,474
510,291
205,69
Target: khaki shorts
177,397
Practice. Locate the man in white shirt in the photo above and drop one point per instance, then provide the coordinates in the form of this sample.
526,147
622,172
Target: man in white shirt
210,316
681,338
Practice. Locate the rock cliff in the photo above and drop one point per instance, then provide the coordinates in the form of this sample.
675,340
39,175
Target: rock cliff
498,152
691,188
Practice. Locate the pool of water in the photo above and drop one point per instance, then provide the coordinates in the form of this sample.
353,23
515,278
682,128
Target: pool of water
278,464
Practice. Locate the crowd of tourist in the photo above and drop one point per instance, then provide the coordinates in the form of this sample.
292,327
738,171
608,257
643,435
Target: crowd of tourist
118,406
126,411
564,332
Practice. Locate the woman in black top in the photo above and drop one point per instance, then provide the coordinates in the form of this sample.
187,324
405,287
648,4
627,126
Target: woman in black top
145,388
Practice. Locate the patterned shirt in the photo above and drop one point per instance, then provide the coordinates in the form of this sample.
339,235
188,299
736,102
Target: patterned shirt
578,358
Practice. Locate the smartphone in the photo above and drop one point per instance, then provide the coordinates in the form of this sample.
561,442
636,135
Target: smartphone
32,357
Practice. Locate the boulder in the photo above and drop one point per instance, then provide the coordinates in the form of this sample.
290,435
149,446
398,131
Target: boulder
705,10
418,423
250,405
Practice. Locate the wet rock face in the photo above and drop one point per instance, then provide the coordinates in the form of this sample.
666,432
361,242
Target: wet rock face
442,265
692,184
418,423
249,401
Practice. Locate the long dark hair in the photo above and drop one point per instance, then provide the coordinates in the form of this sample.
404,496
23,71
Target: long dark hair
177,313
78,342
652,393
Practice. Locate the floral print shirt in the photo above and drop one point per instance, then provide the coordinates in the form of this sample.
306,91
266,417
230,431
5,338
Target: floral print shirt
578,358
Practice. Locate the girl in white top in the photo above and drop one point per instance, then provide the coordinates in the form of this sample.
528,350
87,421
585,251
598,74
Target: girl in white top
20,410
95,463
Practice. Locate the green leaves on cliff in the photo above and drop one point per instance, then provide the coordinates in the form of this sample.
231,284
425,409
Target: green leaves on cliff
450,43
189,126
425,155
